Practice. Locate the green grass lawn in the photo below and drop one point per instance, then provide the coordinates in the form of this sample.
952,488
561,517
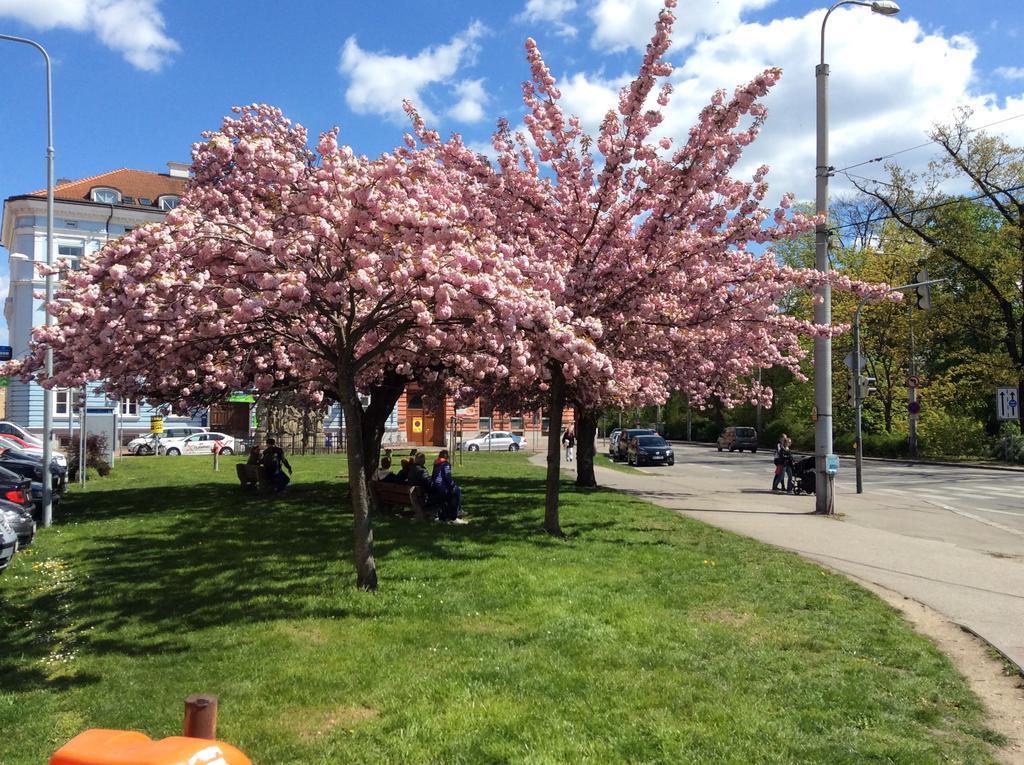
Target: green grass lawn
643,637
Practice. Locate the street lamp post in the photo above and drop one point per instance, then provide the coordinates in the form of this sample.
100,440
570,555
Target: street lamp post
47,392
858,398
823,308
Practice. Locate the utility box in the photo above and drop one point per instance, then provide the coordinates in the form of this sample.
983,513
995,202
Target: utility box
123,747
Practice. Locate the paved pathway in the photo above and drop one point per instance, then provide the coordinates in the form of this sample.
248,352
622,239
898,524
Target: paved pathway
944,549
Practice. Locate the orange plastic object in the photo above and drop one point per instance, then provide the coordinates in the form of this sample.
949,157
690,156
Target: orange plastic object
125,747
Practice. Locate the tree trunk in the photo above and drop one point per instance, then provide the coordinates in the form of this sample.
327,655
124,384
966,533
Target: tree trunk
383,398
362,529
552,483
586,437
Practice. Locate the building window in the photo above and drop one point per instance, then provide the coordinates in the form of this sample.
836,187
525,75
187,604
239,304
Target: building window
485,423
61,401
516,423
130,408
168,201
105,195
145,201
545,426
72,253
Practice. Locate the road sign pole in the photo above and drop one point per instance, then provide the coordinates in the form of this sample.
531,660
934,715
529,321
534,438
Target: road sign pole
858,448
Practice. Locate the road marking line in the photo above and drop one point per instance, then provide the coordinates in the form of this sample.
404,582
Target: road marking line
1001,512
973,517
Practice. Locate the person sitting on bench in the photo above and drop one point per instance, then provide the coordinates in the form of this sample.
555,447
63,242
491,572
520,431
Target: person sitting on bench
273,458
383,473
443,489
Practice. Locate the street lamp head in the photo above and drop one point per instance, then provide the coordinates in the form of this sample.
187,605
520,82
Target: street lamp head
885,7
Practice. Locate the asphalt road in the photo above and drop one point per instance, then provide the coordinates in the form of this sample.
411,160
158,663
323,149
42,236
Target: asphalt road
986,496
949,537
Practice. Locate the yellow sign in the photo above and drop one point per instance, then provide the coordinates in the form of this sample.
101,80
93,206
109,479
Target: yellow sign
156,424
417,424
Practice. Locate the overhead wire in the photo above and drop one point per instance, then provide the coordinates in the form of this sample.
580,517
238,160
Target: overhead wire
926,143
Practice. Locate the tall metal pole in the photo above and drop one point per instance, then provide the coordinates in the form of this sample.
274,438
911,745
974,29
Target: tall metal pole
823,503
47,517
823,307
858,447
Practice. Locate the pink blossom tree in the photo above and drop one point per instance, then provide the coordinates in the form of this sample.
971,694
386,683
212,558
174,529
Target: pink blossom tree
287,268
657,288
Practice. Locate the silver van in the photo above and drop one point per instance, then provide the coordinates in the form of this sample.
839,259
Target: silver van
738,439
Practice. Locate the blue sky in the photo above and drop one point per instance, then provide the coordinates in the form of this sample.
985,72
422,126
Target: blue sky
137,81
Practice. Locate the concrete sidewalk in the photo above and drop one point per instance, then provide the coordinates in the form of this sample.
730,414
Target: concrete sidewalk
979,585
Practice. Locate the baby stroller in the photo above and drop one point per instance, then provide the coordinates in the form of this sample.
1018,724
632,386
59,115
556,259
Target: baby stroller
803,472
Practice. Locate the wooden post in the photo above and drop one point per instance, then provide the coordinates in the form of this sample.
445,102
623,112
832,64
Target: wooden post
201,716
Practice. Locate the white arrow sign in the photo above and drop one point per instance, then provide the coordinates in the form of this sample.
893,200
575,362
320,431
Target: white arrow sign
1007,403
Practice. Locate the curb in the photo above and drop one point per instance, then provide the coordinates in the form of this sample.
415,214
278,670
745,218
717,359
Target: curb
893,460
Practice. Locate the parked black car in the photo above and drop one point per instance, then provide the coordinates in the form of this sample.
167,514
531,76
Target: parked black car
29,466
20,519
622,447
15,488
650,450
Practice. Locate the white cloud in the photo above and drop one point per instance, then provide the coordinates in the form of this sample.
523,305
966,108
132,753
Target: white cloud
550,12
472,97
378,82
622,24
1011,72
878,104
134,28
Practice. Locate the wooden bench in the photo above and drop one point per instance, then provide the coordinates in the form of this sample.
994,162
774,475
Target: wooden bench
253,477
399,495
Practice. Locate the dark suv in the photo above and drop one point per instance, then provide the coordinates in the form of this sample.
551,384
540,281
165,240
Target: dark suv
738,439
622,445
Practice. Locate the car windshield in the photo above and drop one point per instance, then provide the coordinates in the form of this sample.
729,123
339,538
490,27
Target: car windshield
651,441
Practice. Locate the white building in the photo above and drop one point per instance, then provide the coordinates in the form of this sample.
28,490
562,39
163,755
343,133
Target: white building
87,214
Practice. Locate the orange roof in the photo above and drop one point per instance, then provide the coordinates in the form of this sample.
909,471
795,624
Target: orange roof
131,183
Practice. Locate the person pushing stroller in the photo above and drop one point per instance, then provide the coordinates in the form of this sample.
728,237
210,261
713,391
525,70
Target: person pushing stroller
783,465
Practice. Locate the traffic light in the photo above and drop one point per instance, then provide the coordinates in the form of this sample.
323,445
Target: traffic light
853,390
867,386
924,295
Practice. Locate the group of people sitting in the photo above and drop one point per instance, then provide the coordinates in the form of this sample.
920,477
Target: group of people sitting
442,497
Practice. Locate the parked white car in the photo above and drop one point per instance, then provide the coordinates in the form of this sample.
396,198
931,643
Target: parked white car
146,443
494,441
198,443
20,445
14,429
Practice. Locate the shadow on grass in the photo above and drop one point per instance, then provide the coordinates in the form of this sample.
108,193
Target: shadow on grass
153,565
